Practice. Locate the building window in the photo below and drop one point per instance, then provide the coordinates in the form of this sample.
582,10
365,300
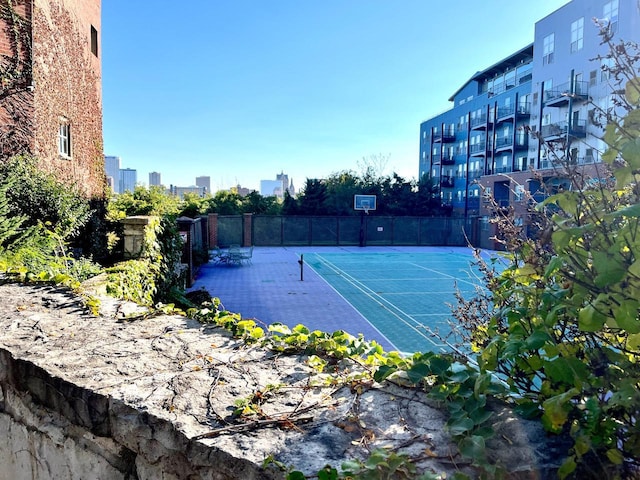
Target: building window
519,193
64,139
94,41
610,14
548,46
577,33
593,78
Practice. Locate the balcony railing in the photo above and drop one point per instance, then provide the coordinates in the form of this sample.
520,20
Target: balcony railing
504,113
436,158
448,135
561,129
479,122
478,149
447,182
561,95
448,159
521,141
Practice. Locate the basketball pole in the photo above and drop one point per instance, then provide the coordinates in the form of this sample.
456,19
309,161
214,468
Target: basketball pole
362,231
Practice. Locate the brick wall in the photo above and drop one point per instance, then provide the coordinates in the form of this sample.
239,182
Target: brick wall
67,87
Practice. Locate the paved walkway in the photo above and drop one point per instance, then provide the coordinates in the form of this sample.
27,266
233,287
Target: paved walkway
270,290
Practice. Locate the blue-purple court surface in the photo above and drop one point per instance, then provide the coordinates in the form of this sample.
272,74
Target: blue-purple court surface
398,296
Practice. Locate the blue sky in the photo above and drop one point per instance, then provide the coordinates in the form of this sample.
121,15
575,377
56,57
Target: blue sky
241,90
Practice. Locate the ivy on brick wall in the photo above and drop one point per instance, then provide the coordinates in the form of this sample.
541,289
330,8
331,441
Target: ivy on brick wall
15,80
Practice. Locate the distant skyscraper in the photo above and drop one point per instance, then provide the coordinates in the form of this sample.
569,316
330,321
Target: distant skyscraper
204,182
128,179
277,187
180,191
112,169
154,179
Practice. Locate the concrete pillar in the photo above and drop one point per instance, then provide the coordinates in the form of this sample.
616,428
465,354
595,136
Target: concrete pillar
134,233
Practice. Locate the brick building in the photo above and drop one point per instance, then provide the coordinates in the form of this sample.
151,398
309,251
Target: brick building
50,88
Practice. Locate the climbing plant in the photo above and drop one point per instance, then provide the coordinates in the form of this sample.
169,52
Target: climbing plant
560,325
15,80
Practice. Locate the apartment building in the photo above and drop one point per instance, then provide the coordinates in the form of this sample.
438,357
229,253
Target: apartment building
487,144
50,90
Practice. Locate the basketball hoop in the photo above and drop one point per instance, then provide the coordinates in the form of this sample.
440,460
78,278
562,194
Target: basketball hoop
364,203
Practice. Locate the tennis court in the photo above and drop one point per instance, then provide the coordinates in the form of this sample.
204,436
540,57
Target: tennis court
405,296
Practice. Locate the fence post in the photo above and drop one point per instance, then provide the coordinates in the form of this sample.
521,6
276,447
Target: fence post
247,229
212,220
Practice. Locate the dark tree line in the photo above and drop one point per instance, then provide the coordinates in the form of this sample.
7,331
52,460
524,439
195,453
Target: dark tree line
395,196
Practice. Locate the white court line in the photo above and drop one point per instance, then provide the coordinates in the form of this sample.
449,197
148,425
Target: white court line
381,301
445,274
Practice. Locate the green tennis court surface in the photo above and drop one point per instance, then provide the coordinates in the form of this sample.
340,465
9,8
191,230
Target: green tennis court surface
406,296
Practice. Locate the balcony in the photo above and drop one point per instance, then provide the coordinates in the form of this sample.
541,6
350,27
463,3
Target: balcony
447,136
447,159
507,143
447,182
478,149
479,123
511,112
557,131
563,94
436,158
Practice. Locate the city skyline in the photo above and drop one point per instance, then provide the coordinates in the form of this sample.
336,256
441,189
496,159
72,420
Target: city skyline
247,89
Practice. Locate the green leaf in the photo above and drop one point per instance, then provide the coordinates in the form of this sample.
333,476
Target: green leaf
418,372
460,426
633,342
439,365
626,316
481,384
590,320
631,153
383,372
569,371
632,91
473,447
556,410
567,467
528,409
615,456
537,340
296,475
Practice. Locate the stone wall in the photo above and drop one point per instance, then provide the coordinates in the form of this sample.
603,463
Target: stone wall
125,397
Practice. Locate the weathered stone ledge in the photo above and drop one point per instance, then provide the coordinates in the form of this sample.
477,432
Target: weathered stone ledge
100,397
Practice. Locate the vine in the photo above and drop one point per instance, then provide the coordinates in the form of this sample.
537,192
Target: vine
15,78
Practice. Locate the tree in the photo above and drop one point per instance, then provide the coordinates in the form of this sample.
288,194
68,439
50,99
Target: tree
560,324
398,196
313,199
341,187
260,205
289,205
226,203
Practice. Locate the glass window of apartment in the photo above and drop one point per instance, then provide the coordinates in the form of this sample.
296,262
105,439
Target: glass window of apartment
548,46
610,14
64,138
593,78
510,79
577,34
